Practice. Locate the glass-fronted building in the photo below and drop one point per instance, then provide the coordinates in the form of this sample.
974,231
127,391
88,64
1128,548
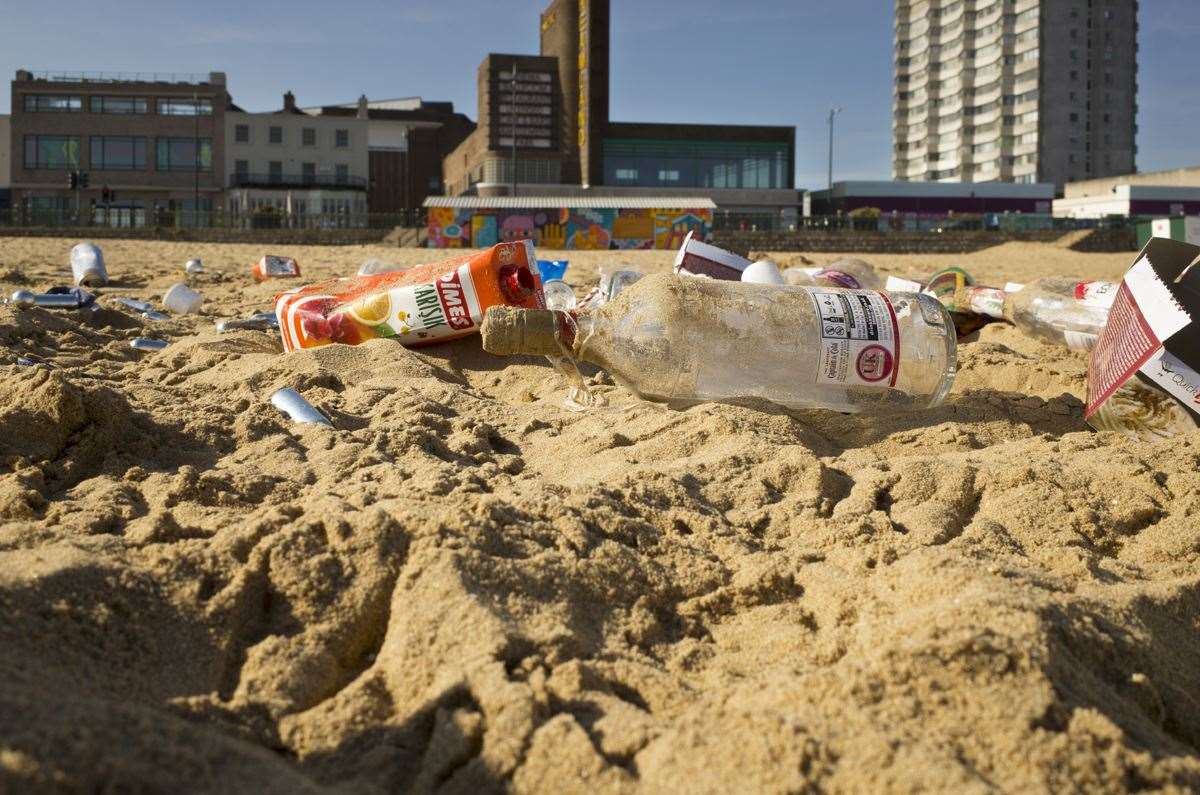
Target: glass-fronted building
663,163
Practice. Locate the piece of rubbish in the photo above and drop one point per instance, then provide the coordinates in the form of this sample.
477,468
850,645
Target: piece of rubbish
272,267
419,306
134,304
147,344
684,340
895,284
25,299
373,266
293,404
87,265
193,266
847,272
764,271
259,321
29,360
84,298
1143,376
1054,309
154,314
612,282
550,269
181,299
697,258
559,295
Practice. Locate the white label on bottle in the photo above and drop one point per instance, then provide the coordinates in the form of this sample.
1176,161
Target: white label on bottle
1175,377
1099,294
860,341
1079,340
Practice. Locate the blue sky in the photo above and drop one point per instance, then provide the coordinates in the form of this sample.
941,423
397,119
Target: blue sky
748,62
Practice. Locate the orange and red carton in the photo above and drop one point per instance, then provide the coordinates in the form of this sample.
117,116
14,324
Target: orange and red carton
421,306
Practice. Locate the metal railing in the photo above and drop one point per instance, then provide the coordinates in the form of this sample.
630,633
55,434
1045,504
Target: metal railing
70,76
269,180
150,218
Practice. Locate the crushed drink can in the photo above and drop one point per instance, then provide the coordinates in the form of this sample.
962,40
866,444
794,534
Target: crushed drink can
272,267
87,265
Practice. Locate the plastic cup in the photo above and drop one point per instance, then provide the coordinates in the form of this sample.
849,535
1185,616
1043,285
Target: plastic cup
87,265
559,295
764,271
181,299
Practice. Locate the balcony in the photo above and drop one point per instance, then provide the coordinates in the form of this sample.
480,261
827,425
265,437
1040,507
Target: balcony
247,180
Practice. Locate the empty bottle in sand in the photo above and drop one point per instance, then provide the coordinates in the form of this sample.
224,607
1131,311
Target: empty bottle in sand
850,273
1060,310
680,339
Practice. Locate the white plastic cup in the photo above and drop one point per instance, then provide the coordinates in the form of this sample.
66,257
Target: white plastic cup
764,271
87,265
181,299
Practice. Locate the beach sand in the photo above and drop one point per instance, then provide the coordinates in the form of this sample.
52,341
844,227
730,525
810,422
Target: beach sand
465,587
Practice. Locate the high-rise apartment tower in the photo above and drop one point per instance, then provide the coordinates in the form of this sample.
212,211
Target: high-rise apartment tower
1014,90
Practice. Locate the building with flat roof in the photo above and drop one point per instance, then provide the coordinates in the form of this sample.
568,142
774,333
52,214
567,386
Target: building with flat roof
1131,200
286,164
406,141
1014,90
5,163
580,220
156,141
933,198
553,109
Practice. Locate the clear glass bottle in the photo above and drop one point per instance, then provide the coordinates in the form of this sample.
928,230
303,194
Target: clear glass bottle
680,339
1056,309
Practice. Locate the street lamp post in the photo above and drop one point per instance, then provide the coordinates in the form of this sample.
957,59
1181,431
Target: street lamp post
834,111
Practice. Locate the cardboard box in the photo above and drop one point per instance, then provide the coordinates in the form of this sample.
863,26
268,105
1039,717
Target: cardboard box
1144,374
697,258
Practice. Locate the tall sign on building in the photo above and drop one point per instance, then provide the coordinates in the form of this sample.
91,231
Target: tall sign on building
576,33
1043,91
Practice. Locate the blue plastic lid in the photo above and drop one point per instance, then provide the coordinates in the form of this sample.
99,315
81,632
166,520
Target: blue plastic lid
552,268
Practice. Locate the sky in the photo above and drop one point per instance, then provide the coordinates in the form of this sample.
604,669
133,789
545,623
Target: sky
705,61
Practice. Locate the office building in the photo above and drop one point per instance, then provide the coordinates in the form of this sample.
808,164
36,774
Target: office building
155,141
1014,90
554,107
932,198
406,141
290,166
5,163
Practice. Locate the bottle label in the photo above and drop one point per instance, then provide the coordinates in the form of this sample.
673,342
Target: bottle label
1099,294
860,339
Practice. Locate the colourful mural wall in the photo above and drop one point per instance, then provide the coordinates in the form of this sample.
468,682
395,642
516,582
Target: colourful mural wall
566,228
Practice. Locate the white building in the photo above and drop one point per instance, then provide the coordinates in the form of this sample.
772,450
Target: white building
291,168
1091,200
1014,90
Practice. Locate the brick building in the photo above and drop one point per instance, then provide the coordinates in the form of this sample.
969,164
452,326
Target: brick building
406,141
155,141
558,105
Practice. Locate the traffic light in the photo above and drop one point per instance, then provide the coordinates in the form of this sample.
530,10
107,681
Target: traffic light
73,179
83,179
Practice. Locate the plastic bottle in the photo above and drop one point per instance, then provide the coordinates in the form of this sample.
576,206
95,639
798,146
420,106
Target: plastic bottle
559,294
679,339
1055,309
853,274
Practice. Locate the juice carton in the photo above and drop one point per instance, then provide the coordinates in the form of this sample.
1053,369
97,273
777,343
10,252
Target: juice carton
419,306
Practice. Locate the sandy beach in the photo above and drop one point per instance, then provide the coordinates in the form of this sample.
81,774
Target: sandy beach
465,587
